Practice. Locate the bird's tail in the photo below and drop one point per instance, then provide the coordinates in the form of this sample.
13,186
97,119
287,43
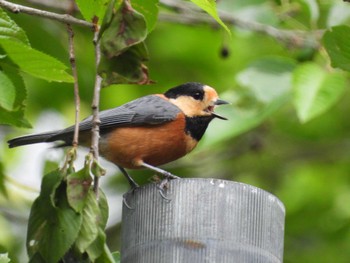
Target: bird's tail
32,138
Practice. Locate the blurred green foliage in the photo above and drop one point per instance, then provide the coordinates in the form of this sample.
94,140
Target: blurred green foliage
304,162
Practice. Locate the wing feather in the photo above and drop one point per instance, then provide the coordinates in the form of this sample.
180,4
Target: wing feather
150,110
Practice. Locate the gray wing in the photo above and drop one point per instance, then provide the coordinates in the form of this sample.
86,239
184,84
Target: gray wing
150,109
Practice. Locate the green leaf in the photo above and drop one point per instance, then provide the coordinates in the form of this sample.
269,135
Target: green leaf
96,248
3,190
116,256
91,8
90,226
14,118
78,186
91,238
107,256
209,6
127,28
53,224
13,74
9,29
149,9
268,78
35,62
316,90
37,258
7,91
4,258
103,205
128,67
336,41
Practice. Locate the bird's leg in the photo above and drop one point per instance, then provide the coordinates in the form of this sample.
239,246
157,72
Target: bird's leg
166,174
162,185
131,181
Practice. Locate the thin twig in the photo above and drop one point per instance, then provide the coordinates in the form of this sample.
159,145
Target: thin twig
188,13
76,85
63,18
95,109
54,4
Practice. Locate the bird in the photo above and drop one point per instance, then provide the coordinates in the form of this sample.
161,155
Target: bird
147,132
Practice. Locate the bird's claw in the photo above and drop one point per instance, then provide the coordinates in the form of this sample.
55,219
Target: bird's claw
170,176
164,185
131,191
127,205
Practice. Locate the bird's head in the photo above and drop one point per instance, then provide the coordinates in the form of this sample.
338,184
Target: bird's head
195,99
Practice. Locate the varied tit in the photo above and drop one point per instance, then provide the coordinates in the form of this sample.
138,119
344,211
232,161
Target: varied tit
146,132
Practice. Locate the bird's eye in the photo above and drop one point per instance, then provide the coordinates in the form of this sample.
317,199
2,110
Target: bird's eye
197,96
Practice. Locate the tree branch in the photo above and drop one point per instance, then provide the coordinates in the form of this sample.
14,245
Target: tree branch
54,4
76,85
188,13
63,18
95,110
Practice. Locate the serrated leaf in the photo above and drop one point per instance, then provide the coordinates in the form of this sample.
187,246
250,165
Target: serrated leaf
14,118
9,29
103,206
209,6
91,238
52,229
315,90
35,62
112,8
90,226
268,78
96,248
149,9
91,8
21,93
127,28
7,91
336,41
128,67
78,186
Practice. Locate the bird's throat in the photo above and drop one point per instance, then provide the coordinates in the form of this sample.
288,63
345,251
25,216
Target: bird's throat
196,126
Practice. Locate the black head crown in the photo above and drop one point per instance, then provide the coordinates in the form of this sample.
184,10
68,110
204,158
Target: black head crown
193,89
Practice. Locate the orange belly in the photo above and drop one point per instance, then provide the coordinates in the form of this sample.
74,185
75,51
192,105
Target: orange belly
152,144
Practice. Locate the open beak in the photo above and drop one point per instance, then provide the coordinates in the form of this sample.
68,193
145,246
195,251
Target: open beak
219,102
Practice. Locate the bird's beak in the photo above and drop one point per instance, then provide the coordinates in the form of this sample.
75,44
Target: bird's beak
221,102
216,103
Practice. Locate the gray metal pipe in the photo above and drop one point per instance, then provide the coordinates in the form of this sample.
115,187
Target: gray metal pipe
204,220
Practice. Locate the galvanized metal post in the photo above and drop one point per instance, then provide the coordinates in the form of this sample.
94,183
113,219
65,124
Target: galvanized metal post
204,220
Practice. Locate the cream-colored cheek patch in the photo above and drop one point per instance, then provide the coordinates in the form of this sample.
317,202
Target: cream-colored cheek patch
210,94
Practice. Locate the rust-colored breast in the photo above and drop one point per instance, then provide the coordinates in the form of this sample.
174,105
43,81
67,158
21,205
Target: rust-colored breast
152,144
